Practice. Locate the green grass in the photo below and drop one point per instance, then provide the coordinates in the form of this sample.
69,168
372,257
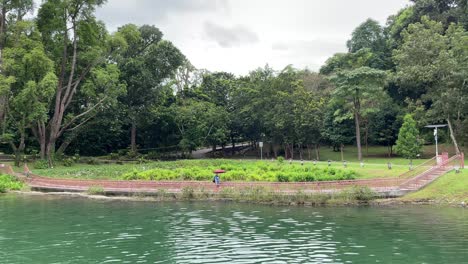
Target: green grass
204,169
376,154
450,188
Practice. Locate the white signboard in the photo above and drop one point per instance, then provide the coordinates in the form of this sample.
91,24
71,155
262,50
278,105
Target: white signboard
260,144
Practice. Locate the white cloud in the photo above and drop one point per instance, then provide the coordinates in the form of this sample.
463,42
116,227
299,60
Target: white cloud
241,35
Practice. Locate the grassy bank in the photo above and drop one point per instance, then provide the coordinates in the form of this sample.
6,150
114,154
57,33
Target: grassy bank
450,188
353,195
248,170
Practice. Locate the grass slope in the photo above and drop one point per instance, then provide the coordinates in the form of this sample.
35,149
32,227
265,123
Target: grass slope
450,188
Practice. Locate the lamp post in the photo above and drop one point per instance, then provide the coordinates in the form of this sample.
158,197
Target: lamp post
435,137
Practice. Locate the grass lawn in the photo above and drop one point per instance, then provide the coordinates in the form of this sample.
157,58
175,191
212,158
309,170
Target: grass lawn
115,171
449,188
375,154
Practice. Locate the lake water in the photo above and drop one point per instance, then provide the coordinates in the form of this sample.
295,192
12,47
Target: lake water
71,230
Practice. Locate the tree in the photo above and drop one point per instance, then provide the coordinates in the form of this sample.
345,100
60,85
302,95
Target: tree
199,122
408,143
33,87
370,35
433,63
11,12
144,65
355,89
80,47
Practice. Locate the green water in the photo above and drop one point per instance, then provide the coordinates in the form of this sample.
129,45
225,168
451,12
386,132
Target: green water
66,230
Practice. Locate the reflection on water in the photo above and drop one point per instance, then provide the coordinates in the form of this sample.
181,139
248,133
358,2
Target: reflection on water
49,230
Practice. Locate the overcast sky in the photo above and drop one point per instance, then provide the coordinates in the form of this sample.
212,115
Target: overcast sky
240,35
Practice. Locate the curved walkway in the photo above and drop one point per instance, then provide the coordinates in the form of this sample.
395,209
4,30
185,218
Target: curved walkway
36,182
397,186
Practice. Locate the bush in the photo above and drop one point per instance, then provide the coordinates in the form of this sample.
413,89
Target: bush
114,156
188,192
95,190
280,159
8,182
41,164
282,178
358,193
68,162
93,161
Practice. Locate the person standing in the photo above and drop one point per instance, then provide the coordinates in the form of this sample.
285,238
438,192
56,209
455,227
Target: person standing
216,179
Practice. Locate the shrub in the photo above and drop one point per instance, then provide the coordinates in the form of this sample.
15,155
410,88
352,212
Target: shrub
358,193
282,177
188,192
114,156
95,190
41,164
68,162
8,182
280,159
93,161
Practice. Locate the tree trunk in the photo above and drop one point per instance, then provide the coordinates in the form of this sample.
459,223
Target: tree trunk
42,139
3,105
452,136
308,151
50,152
341,150
64,145
367,139
317,151
292,151
133,130
358,135
233,150
300,151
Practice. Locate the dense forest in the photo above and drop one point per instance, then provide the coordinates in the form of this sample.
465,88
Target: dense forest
68,86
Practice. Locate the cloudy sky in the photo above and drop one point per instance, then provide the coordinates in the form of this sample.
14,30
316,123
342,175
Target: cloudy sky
240,35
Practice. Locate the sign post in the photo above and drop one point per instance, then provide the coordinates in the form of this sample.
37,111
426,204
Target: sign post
260,144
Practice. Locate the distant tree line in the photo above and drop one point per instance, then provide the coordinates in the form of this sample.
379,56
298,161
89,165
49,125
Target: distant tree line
69,86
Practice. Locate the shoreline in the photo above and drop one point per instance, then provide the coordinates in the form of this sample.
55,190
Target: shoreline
173,197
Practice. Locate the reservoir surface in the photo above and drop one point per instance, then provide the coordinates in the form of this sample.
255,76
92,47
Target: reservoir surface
47,229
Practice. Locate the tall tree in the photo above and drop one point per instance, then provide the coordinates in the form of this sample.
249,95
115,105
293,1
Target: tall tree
432,62
144,65
355,89
11,11
34,81
80,46
370,35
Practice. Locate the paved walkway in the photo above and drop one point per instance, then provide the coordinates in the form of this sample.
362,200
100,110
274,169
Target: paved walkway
397,186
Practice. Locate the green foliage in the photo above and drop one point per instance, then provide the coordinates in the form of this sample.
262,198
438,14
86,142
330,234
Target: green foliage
188,192
41,164
408,143
68,162
95,190
358,193
259,171
8,182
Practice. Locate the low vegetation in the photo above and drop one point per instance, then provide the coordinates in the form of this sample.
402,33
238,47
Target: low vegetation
240,171
249,170
259,194
8,183
95,190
